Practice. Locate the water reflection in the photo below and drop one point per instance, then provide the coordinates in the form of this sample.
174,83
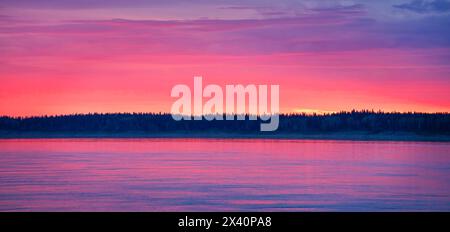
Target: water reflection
217,175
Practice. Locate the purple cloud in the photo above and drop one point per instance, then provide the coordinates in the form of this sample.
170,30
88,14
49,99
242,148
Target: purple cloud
319,29
421,6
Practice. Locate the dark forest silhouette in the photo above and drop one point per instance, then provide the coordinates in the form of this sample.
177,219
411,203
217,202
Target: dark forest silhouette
155,123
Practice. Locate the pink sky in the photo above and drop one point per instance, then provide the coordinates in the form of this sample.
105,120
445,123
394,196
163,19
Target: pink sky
123,57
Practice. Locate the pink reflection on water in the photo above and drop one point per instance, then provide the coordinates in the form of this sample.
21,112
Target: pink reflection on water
222,174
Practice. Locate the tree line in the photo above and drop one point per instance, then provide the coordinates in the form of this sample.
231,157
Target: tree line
153,123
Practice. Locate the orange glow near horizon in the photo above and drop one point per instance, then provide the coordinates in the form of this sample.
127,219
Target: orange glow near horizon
85,86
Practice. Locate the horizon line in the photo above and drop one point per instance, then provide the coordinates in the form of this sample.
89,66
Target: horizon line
234,114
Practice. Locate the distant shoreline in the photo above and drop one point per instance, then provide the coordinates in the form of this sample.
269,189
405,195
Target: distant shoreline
352,136
362,125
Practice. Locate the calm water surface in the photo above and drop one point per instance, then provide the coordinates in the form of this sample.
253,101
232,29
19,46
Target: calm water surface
217,175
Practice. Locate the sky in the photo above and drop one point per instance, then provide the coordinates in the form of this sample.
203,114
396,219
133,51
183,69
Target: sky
65,57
